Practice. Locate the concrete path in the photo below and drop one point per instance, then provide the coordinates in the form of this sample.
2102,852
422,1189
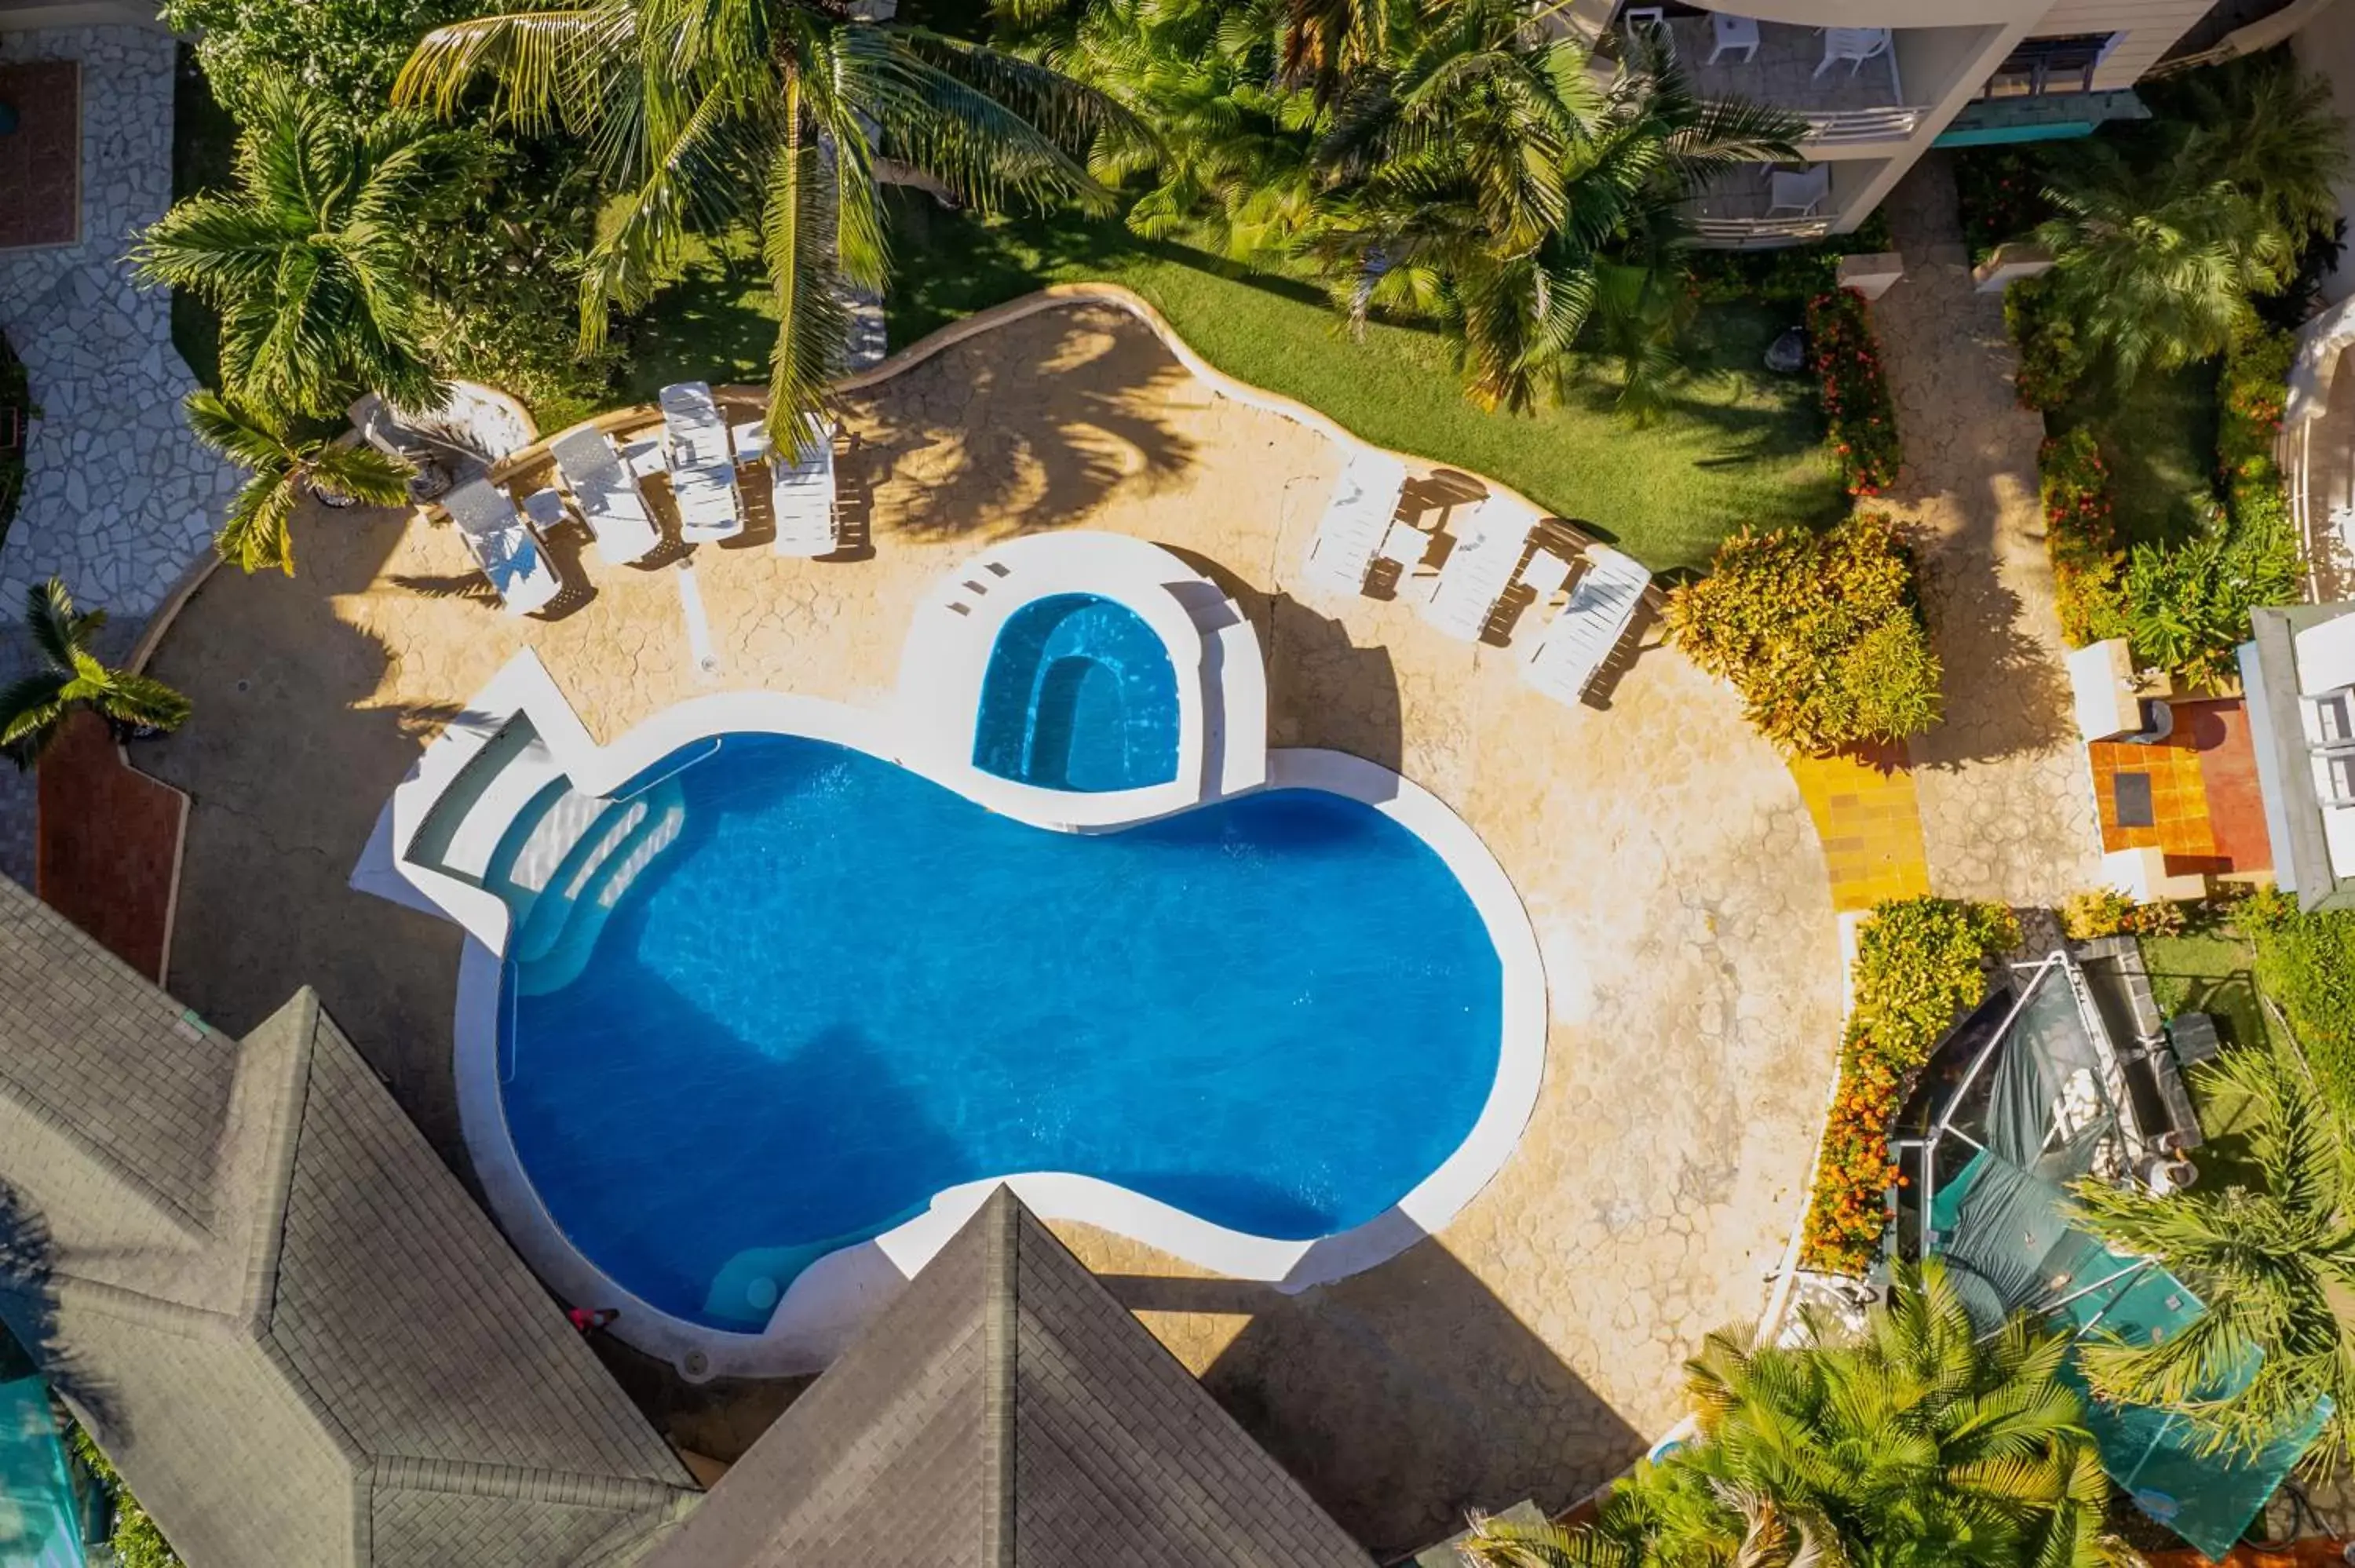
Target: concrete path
119,498
2006,797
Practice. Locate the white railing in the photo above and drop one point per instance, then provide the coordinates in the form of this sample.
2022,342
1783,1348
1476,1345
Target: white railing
1754,230
1893,124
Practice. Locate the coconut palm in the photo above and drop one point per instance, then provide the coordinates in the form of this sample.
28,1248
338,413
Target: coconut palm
1923,1441
1479,173
34,706
283,463
786,113
2272,1266
310,260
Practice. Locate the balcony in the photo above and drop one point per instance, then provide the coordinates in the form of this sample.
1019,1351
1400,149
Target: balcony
1737,211
1844,102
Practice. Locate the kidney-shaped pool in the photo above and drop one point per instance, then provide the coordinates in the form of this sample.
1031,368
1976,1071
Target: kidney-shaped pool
810,990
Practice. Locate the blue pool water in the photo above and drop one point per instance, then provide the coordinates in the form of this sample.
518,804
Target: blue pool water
841,988
1079,694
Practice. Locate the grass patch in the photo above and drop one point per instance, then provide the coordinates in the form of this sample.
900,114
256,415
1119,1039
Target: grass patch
1741,446
204,154
2159,440
2213,972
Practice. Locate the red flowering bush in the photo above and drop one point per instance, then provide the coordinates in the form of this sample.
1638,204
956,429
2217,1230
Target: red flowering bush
1856,405
1920,964
2088,569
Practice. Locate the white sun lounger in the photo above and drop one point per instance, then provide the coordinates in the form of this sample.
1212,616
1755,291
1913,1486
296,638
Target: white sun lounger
495,532
702,470
1489,543
1578,642
608,497
1349,535
802,489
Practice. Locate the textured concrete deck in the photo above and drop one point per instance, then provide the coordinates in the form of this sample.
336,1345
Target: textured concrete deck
1669,865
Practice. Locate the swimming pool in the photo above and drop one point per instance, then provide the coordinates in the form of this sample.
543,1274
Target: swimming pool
1079,694
840,989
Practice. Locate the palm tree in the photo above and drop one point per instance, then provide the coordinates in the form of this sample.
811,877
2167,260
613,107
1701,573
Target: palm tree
311,259
34,706
1923,1441
2273,1266
703,114
1478,172
283,463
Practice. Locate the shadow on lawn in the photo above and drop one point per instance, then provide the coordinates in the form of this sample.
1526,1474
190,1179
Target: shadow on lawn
1401,1398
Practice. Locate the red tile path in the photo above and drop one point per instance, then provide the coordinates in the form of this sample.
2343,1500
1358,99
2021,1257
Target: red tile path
40,165
106,846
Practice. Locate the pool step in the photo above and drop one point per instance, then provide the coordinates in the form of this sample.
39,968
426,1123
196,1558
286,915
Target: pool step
555,942
539,925
474,821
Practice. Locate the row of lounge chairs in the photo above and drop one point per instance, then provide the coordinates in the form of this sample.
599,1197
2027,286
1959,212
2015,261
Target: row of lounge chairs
600,484
1361,531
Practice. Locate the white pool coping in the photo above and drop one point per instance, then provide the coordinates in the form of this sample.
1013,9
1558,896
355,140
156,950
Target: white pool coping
826,1305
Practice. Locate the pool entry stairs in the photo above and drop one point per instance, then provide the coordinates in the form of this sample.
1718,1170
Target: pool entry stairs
514,825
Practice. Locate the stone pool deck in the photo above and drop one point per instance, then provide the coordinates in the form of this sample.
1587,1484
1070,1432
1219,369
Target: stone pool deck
1667,860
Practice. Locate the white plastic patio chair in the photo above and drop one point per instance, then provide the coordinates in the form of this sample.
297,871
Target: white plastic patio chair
801,490
1489,541
1854,45
1349,534
607,493
1578,642
702,469
1730,32
1800,193
503,546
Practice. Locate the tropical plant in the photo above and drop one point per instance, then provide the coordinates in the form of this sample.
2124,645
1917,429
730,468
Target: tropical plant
786,113
2088,569
282,461
136,1541
311,261
349,50
1860,413
1923,1441
2186,604
1920,964
1474,171
34,706
2162,242
1819,632
2272,1266
2306,964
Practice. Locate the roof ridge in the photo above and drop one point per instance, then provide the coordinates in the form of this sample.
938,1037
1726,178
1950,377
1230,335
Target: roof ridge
1001,1288
158,1312
475,1479
259,1298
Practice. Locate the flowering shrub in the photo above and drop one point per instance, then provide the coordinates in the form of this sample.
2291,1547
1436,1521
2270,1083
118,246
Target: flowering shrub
1920,963
2106,912
2251,394
1819,633
2001,194
2051,360
1856,405
2088,569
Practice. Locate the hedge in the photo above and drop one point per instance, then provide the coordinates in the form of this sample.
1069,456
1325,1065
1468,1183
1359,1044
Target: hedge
2088,569
2307,964
1862,418
1921,963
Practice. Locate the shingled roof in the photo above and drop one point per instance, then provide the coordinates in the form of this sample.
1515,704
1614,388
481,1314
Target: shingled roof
1006,1412
291,1330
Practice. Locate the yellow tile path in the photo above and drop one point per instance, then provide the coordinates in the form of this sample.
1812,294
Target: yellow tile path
1866,815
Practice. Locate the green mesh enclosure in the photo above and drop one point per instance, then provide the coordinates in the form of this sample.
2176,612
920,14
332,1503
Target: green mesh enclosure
40,1520
2020,1107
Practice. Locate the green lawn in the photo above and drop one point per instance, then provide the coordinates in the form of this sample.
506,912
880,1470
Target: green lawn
1741,446
2158,437
2212,972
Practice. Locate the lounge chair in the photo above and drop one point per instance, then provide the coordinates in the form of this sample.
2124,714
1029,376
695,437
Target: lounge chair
801,488
702,469
495,532
1579,642
608,497
1489,543
1349,535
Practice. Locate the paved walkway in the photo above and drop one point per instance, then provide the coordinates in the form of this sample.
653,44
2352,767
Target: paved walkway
119,499
2006,801
1868,813
1665,856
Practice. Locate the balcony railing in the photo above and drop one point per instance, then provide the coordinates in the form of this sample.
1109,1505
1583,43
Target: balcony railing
1736,232
1893,124
1841,102
1737,209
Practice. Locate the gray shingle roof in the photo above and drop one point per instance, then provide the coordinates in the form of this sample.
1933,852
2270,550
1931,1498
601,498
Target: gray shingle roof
1006,1412
289,1326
